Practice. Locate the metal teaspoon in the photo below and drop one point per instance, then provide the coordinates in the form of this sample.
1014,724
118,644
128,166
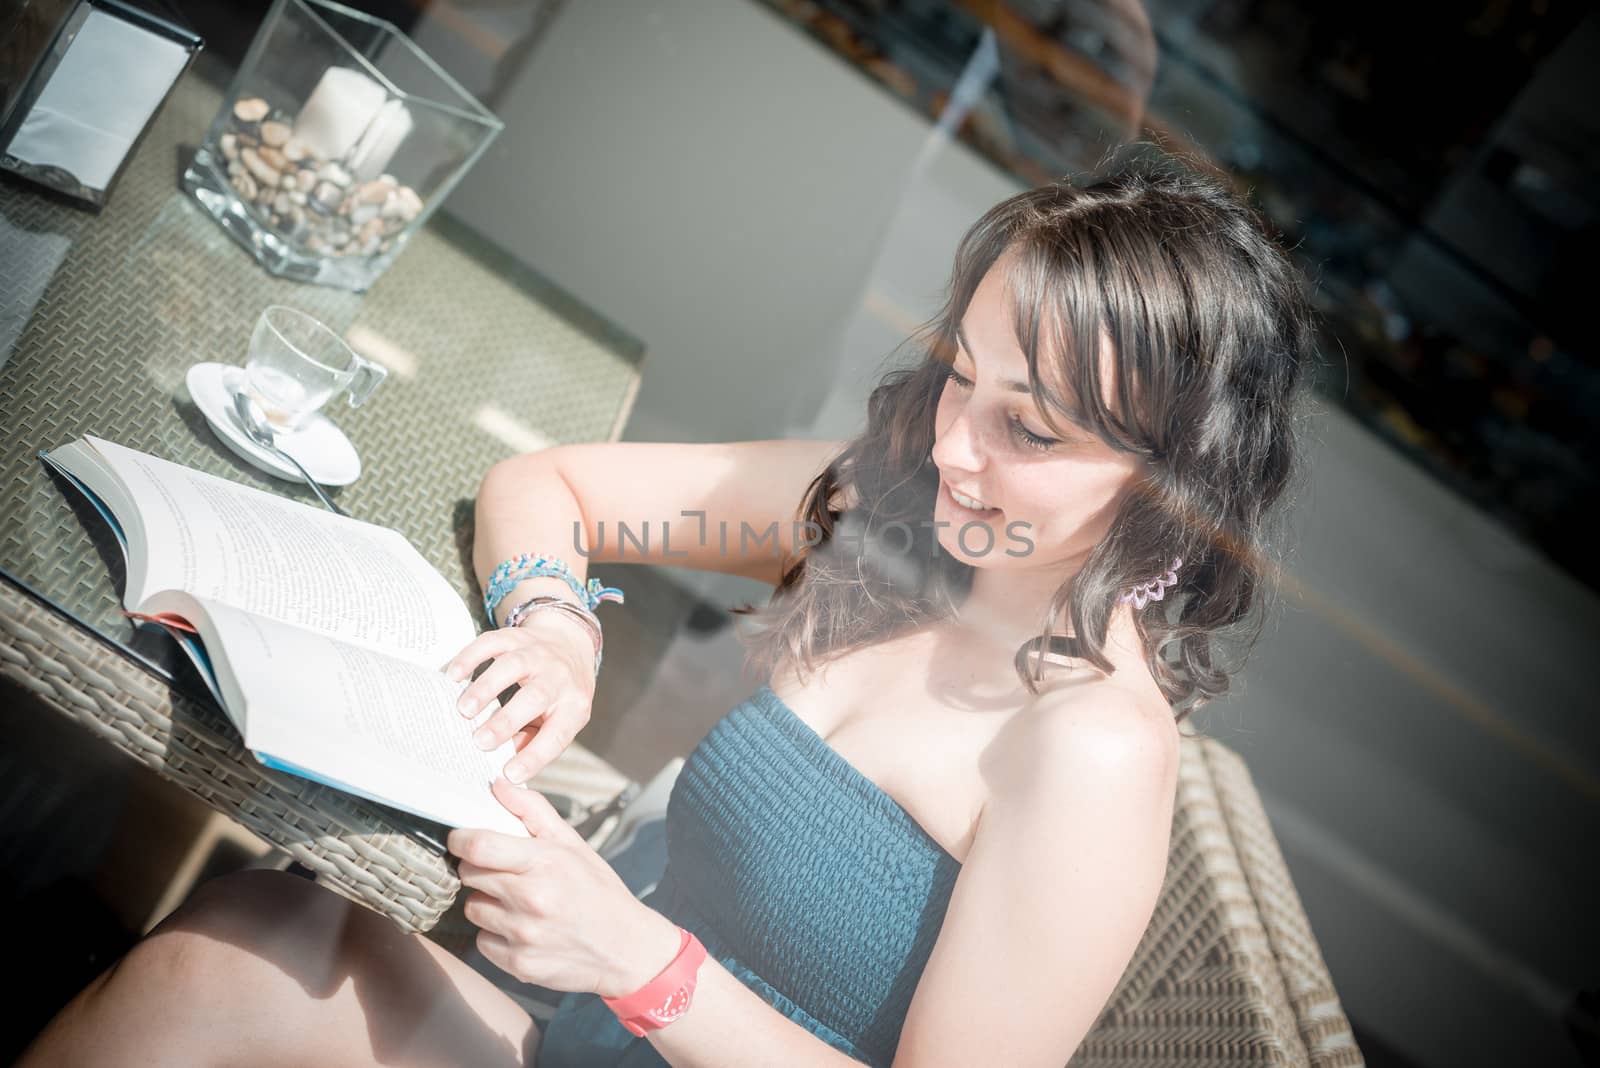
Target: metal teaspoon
254,423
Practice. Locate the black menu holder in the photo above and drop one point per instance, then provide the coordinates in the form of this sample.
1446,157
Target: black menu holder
80,81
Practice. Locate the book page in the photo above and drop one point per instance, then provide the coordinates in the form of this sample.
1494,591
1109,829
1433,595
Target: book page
223,541
84,468
371,723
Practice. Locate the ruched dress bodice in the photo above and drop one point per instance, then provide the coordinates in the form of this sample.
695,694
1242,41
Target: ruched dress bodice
800,875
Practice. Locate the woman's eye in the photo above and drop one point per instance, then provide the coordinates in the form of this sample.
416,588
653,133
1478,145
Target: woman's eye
1029,438
1020,432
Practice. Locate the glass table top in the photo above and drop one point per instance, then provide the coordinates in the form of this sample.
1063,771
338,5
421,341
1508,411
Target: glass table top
102,315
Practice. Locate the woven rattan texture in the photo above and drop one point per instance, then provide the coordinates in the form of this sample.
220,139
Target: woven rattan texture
107,312
330,832
1207,984
1307,984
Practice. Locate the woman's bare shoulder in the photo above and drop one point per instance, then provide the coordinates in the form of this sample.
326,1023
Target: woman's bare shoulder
1095,723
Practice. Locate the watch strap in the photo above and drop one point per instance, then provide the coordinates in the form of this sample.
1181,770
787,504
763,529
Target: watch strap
667,996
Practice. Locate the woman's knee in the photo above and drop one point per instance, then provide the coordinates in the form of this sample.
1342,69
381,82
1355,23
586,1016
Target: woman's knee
245,895
245,919
271,946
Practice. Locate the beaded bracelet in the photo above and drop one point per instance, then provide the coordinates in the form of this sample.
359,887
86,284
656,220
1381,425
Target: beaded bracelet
561,604
537,565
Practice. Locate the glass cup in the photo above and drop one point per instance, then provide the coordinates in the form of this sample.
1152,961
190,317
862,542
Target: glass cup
296,364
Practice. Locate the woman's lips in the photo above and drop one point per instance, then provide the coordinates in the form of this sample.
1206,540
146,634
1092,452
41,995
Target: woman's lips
987,513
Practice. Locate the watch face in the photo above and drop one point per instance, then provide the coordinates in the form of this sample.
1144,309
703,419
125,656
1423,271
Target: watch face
676,1005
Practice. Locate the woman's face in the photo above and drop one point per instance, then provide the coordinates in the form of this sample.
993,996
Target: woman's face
992,445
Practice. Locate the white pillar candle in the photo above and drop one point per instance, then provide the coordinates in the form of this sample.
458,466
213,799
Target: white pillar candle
377,147
339,111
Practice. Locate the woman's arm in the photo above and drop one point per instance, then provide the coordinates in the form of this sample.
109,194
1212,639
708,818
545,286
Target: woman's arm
728,1025
1057,889
555,913
571,500
525,505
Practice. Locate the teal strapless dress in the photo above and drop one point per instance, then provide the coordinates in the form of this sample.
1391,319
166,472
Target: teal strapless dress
800,875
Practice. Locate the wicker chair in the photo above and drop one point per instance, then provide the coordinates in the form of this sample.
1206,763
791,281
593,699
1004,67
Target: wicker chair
1228,972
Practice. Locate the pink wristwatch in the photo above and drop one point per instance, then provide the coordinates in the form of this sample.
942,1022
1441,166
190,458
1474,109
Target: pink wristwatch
667,996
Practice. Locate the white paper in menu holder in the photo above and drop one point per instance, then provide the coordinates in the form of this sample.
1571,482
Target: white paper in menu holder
109,83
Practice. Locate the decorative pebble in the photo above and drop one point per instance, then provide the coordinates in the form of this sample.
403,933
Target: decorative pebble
258,167
332,172
405,204
273,158
327,197
313,203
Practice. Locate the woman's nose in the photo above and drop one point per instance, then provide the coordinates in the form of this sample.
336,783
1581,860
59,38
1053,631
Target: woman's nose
957,447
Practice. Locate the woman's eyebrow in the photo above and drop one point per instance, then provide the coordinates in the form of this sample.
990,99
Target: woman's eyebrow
1072,415
1010,383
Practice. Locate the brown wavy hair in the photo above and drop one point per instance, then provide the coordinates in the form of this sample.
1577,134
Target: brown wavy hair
1212,339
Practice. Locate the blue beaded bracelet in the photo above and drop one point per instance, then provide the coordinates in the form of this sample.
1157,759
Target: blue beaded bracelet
536,565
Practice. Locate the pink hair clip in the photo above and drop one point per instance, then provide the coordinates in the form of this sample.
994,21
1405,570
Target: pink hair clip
1155,589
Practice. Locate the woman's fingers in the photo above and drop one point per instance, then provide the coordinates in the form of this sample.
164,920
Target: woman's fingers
532,702
489,913
546,693
509,667
487,854
555,733
490,643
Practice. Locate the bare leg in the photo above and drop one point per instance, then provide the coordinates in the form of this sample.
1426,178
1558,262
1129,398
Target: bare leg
263,967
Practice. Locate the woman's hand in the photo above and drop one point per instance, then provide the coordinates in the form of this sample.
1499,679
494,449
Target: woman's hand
550,657
552,911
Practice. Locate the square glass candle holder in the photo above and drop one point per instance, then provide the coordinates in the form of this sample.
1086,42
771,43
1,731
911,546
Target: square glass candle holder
335,142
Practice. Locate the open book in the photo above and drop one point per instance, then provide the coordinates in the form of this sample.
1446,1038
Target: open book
322,637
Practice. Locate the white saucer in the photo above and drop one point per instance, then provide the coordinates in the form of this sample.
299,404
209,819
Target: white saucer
322,447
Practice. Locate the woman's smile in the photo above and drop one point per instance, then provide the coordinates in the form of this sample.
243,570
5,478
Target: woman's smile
971,506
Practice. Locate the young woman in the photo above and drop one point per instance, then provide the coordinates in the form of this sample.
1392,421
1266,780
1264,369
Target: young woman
936,832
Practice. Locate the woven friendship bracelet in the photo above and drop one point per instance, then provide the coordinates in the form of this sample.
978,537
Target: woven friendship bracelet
537,565
590,621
